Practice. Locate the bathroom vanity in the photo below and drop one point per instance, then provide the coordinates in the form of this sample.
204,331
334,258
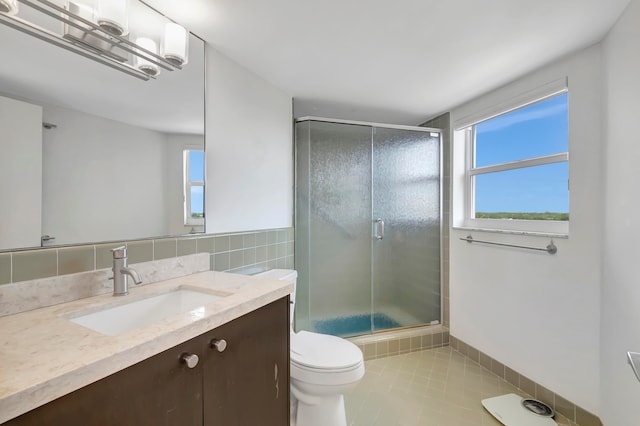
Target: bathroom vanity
235,373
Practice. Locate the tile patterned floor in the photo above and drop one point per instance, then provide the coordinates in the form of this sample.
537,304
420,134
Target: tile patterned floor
436,387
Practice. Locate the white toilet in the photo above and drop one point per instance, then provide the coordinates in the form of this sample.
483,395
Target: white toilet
323,368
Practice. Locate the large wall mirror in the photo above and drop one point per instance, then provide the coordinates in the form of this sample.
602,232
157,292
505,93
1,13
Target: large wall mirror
90,154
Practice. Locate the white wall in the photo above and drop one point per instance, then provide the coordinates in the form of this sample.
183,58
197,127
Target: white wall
620,279
110,174
20,173
538,313
249,150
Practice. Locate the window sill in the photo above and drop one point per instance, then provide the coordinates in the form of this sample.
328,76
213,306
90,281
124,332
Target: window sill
513,232
194,222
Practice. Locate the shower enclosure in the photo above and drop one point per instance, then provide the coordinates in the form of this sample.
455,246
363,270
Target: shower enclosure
367,246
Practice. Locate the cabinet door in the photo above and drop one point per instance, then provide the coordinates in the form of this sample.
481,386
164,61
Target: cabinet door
248,382
161,390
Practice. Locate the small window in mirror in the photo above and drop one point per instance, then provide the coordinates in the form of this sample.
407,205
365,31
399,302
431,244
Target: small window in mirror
193,187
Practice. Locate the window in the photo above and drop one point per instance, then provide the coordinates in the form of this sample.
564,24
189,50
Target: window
193,187
518,168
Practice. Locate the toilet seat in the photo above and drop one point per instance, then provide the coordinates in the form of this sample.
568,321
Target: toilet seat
322,352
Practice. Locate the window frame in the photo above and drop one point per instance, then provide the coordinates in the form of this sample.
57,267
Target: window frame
516,225
187,185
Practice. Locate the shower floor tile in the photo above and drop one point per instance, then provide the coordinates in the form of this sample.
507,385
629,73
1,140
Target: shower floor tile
355,325
435,387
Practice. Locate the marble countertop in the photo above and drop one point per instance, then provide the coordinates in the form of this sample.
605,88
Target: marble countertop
43,355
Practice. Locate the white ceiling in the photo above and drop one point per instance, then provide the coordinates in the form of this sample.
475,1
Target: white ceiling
398,61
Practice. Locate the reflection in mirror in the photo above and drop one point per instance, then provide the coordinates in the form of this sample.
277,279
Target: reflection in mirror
89,154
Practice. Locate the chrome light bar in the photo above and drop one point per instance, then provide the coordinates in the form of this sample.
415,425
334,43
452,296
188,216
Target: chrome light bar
87,39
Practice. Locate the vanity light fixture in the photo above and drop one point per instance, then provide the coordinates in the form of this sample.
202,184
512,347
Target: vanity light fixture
175,44
103,33
143,64
83,34
113,16
10,7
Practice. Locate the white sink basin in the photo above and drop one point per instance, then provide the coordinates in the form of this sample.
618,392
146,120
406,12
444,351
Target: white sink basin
123,318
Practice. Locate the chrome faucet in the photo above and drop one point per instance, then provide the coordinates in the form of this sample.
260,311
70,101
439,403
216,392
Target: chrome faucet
121,272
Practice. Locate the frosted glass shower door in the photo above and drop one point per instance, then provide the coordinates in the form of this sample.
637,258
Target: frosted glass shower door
333,236
406,228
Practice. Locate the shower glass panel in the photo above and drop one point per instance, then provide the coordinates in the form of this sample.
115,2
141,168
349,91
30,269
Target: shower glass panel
356,183
334,194
406,204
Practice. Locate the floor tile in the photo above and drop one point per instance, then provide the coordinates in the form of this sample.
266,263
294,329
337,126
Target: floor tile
435,387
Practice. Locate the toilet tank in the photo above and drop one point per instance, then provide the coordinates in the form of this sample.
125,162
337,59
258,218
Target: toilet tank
286,275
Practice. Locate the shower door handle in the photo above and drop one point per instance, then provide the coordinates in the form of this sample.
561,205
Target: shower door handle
380,227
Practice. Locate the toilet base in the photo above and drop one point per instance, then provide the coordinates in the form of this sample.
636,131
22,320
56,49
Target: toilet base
329,412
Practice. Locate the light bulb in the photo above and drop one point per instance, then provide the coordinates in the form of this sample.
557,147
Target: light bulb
175,45
143,64
113,16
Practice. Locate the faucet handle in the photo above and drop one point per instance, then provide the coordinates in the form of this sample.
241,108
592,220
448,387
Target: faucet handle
119,252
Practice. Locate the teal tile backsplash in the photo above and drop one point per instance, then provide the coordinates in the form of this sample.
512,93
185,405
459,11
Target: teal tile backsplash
33,265
187,246
72,260
230,252
165,248
5,268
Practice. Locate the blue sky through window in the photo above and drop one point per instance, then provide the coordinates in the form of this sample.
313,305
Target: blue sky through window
536,130
196,173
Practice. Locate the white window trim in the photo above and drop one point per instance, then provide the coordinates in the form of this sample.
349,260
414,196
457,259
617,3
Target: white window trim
520,164
544,91
463,129
188,184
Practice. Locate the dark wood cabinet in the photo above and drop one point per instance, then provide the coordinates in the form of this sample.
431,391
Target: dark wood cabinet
245,384
248,382
161,390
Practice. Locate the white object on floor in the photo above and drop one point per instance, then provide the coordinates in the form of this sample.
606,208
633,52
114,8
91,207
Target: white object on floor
322,369
508,409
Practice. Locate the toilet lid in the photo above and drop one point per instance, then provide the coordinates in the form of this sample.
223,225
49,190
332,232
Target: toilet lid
323,352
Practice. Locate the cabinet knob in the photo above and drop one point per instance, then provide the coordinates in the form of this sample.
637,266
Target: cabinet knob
219,344
190,359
